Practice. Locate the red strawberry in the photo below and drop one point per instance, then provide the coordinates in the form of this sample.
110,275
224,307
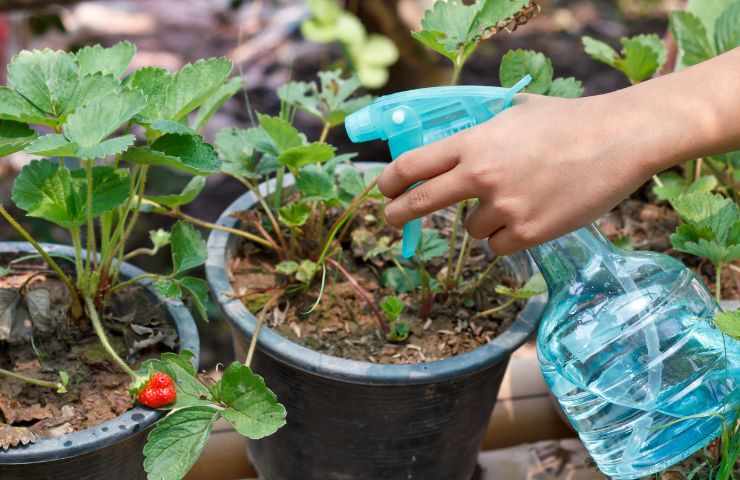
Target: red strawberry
159,391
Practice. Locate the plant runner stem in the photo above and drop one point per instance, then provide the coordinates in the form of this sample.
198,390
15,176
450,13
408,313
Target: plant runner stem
324,132
482,276
213,226
92,313
91,243
76,307
32,381
362,292
268,211
453,245
461,258
718,282
346,215
493,310
258,327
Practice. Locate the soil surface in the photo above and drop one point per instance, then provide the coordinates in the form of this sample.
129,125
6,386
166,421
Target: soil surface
38,339
343,325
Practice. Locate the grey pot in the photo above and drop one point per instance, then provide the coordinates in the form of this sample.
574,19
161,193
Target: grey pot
112,450
362,421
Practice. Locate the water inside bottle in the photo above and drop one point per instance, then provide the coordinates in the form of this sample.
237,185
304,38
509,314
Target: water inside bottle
629,349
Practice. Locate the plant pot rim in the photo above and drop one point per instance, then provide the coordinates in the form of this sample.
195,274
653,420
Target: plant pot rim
353,371
113,431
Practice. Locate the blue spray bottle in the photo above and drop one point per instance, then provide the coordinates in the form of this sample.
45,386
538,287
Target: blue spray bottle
627,342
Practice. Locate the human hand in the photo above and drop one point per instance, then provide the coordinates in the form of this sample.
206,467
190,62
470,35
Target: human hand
539,170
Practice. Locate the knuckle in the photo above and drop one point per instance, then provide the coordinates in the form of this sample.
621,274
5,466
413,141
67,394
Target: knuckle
523,234
403,169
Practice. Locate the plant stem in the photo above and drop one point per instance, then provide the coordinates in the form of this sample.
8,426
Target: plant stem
364,294
353,206
493,310
76,307
92,313
453,245
91,243
258,327
718,282
278,196
482,275
77,243
697,168
213,226
132,281
32,381
268,211
324,132
457,69
461,258
137,252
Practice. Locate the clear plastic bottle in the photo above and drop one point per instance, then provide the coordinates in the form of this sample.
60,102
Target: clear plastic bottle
628,346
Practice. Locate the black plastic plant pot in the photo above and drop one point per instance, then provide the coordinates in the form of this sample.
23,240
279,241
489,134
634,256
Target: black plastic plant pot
363,421
112,450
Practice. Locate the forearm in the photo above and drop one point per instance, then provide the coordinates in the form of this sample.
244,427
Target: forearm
684,115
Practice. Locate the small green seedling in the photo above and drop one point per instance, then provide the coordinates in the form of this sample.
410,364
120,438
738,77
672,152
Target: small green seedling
400,330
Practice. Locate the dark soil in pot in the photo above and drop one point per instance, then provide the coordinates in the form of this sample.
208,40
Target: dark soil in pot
93,430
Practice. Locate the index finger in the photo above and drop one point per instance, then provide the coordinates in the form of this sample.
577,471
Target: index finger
420,164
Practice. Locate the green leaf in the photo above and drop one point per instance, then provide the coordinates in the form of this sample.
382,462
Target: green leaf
306,271
402,281
193,85
153,83
236,151
106,148
351,182
287,267
186,153
729,323
399,331
708,11
708,210
298,157
691,35
113,60
534,286
599,51
336,96
168,288
495,13
253,409
432,245
14,136
566,88
727,30
301,95
447,27
674,185
93,122
376,50
47,190
392,307
197,290
46,78
281,134
188,194
171,126
215,102
175,443
14,107
188,247
640,61
315,184
518,63
92,88
52,145
295,214
160,238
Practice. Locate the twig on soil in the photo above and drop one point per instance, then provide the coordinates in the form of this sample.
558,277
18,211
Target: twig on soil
92,313
58,386
258,327
362,293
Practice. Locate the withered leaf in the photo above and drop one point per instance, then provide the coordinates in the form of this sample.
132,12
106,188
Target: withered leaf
38,302
14,436
9,298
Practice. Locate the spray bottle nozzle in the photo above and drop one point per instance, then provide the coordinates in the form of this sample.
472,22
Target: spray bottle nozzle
414,118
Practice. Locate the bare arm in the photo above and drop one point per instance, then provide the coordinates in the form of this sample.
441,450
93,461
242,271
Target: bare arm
548,165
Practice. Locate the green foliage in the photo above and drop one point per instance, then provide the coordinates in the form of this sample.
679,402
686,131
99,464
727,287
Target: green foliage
45,189
295,215
14,136
237,153
186,153
240,397
706,29
518,63
191,191
316,185
455,29
711,228
369,54
392,307
432,245
188,248
673,185
331,101
401,280
641,58
534,286
113,61
399,332
729,323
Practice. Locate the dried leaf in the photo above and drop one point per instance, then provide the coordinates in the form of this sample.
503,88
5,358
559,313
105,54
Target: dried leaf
38,302
14,436
9,298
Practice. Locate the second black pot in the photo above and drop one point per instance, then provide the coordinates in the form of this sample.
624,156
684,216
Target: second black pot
350,420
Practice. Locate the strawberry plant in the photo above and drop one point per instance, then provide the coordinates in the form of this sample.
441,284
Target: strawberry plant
119,126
